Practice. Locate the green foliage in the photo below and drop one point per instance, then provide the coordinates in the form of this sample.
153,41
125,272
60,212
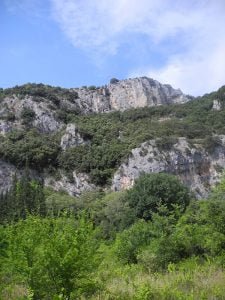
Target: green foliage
210,143
114,80
25,197
92,87
130,241
27,116
98,160
53,94
54,258
10,117
176,254
38,150
152,190
111,213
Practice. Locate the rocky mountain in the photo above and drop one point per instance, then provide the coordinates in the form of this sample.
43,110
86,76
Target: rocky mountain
127,94
41,104
87,138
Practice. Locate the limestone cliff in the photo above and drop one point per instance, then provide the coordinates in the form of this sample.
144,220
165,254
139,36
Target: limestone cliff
197,168
129,93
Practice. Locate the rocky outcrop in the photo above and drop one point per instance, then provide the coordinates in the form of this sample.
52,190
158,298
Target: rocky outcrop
7,172
216,105
71,137
196,168
126,94
43,118
141,92
74,186
5,127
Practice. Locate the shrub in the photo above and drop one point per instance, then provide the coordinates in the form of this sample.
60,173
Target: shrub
114,80
152,190
27,115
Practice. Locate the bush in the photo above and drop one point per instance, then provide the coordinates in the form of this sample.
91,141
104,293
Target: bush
130,241
114,81
38,150
10,117
27,115
53,257
152,190
92,88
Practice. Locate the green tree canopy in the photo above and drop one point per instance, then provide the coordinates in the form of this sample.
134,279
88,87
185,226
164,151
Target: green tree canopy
152,190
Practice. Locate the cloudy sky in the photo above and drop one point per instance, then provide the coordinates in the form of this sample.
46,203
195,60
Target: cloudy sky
72,43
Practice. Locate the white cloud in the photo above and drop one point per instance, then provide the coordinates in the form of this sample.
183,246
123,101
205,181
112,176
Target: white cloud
196,63
201,68
102,24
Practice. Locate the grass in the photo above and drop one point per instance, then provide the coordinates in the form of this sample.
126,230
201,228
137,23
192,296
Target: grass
190,281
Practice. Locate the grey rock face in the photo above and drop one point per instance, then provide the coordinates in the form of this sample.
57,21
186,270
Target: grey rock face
7,172
141,92
44,118
4,127
129,93
74,186
216,105
6,175
71,137
195,167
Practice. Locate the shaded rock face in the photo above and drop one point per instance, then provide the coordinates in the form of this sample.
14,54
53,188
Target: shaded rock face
196,168
71,137
7,172
74,186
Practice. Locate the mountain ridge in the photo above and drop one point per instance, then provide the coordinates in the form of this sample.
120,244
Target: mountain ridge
77,147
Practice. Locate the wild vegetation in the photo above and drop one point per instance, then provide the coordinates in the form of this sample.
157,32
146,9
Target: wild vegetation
99,247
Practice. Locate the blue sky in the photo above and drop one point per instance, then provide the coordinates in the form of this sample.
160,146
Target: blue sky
71,43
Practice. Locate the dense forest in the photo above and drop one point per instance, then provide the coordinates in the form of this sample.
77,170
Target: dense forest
154,241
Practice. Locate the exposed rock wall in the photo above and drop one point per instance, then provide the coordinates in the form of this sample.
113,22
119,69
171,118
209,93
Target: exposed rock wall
74,186
141,92
44,118
7,172
196,168
71,137
129,93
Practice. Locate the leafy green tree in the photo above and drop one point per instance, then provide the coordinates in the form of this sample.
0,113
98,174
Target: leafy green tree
129,242
25,197
27,115
55,258
152,190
